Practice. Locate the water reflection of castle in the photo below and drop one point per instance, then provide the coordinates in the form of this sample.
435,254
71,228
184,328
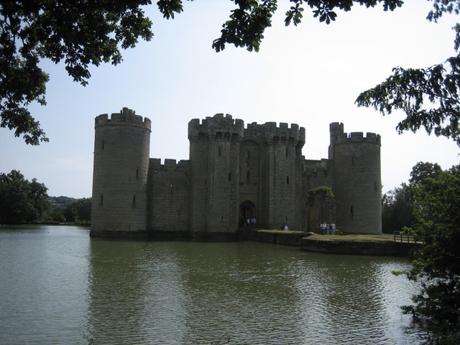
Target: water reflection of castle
233,173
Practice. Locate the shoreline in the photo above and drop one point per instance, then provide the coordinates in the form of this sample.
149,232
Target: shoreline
344,244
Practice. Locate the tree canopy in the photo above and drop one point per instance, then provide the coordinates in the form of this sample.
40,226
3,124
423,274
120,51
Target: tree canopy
82,33
429,208
79,33
398,204
436,265
21,201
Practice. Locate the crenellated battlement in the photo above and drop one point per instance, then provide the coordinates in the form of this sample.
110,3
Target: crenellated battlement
338,136
169,165
359,137
126,117
218,126
272,132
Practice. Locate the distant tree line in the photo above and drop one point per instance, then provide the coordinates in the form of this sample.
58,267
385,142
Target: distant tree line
23,201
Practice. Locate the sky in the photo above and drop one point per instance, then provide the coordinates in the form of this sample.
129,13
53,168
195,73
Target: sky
310,75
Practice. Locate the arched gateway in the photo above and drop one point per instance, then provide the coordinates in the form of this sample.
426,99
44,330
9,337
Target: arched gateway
247,212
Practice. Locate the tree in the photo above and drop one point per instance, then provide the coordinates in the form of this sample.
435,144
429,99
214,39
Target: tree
428,96
398,204
437,265
21,201
78,212
397,208
81,33
77,32
422,171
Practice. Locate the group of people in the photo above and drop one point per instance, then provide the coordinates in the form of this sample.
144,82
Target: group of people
327,228
251,221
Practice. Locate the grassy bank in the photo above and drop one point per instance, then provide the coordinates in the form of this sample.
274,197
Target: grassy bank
353,237
280,232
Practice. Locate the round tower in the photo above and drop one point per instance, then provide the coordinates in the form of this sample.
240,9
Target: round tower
121,162
357,180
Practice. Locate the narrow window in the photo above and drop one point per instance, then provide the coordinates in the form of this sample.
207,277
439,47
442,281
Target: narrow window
101,200
287,151
134,200
352,211
137,174
375,186
171,187
103,144
221,218
287,179
229,177
248,177
219,151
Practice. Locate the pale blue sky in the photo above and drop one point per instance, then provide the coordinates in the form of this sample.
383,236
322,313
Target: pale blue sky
310,75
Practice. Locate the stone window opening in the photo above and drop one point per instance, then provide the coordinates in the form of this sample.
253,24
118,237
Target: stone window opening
287,179
219,151
101,200
137,173
171,187
134,201
103,145
229,176
352,211
375,186
287,151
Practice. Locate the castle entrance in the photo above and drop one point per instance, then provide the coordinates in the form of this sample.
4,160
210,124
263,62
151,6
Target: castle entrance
247,214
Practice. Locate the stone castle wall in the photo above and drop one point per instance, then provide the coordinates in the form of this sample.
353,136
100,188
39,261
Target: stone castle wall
168,193
233,172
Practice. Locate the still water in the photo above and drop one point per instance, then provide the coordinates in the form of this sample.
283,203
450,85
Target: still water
57,286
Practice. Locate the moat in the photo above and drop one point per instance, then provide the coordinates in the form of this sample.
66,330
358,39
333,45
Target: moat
59,286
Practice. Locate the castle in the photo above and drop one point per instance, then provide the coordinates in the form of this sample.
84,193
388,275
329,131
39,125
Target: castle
234,174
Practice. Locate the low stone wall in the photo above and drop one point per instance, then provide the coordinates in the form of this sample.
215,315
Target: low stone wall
287,239
166,236
383,248
120,235
193,236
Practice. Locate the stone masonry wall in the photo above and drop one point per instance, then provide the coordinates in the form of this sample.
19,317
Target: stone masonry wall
169,196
